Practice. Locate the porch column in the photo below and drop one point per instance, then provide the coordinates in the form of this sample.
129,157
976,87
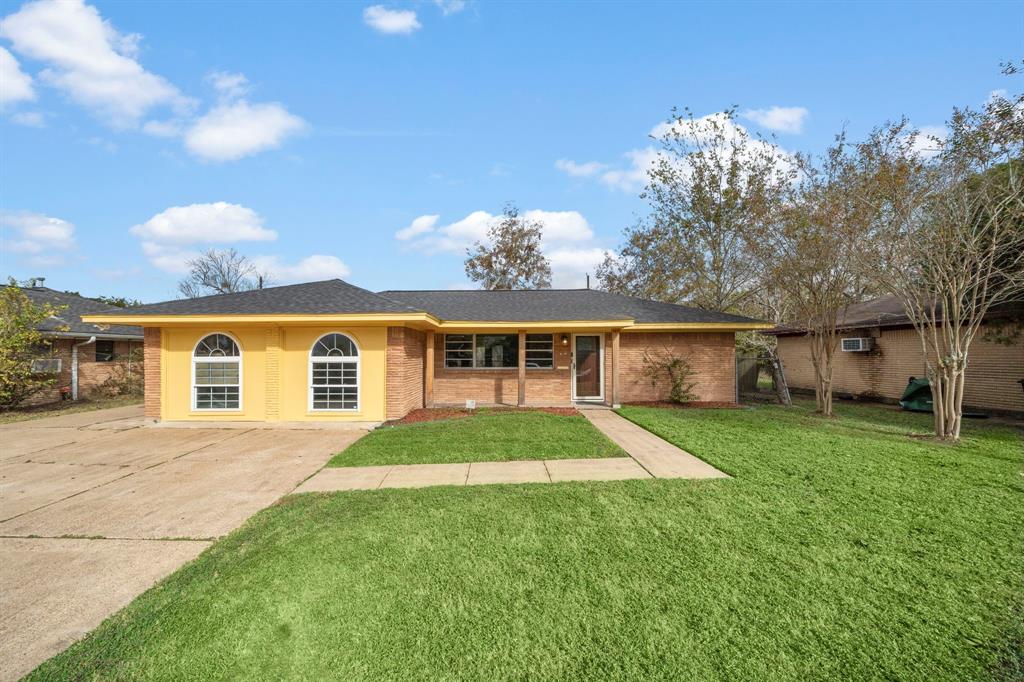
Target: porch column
615,368
428,371
522,368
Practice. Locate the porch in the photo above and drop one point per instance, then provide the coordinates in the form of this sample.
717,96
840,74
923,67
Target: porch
549,368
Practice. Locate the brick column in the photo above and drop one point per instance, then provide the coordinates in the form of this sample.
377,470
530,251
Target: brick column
273,374
152,339
428,371
522,368
615,368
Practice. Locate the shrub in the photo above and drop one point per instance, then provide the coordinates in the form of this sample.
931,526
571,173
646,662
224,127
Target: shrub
676,368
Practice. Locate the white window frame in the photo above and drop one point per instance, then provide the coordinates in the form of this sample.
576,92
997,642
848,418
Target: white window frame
226,358
339,359
476,368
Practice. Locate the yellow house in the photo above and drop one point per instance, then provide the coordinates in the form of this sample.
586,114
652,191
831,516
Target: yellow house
331,351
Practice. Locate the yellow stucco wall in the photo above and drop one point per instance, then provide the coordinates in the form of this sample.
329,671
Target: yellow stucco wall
275,373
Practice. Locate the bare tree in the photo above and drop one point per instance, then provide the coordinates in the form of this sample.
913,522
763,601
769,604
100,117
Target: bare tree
512,259
808,252
221,272
710,184
951,236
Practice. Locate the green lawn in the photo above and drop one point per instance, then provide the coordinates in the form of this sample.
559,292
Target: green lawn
842,549
490,436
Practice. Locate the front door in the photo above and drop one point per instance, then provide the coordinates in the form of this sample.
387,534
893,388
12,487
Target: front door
587,360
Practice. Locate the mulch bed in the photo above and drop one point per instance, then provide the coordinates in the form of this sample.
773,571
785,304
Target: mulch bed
696,404
431,414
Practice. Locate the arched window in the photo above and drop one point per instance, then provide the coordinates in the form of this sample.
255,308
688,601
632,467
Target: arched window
334,373
216,374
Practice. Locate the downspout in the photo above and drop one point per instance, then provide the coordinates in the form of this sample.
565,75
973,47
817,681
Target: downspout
74,366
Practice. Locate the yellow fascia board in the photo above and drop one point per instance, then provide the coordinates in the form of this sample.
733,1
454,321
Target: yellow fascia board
468,325
697,326
370,319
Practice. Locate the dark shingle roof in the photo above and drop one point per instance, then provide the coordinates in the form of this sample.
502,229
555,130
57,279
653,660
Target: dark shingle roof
542,305
535,305
313,298
69,319
886,311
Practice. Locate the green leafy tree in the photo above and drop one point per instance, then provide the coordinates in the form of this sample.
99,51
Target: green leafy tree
512,258
710,184
20,343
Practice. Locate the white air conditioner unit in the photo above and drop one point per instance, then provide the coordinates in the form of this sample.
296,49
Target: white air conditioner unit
858,345
46,366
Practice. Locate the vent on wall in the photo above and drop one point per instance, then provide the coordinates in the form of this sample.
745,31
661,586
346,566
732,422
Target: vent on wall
858,345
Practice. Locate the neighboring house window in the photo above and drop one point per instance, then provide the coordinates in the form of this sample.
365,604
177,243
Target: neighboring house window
217,374
334,373
540,351
483,351
104,351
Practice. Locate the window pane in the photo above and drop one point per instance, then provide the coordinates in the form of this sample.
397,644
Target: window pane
217,346
497,350
335,386
458,350
216,397
104,351
216,373
335,345
540,351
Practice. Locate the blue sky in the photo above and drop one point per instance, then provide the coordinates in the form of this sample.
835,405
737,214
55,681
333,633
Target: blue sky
309,135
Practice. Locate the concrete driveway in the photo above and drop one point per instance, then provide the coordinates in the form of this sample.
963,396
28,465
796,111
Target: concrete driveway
96,507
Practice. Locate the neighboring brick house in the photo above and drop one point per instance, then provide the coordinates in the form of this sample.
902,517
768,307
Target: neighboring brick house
85,353
332,351
880,372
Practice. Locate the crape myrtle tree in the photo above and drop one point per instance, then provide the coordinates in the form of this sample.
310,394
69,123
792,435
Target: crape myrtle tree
710,183
950,235
807,252
511,258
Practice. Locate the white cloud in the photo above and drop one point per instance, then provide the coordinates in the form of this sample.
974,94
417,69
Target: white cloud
38,239
15,84
450,6
229,85
309,269
633,177
927,143
214,223
32,119
387,20
232,131
570,267
782,119
579,170
421,225
162,128
173,259
565,240
89,60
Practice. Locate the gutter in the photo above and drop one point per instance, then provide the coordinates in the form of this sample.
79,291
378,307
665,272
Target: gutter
74,366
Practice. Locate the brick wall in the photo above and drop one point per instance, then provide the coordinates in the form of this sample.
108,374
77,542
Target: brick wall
992,373
405,358
91,374
544,387
151,355
712,357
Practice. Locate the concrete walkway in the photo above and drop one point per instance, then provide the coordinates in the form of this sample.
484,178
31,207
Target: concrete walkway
656,455
476,473
649,457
